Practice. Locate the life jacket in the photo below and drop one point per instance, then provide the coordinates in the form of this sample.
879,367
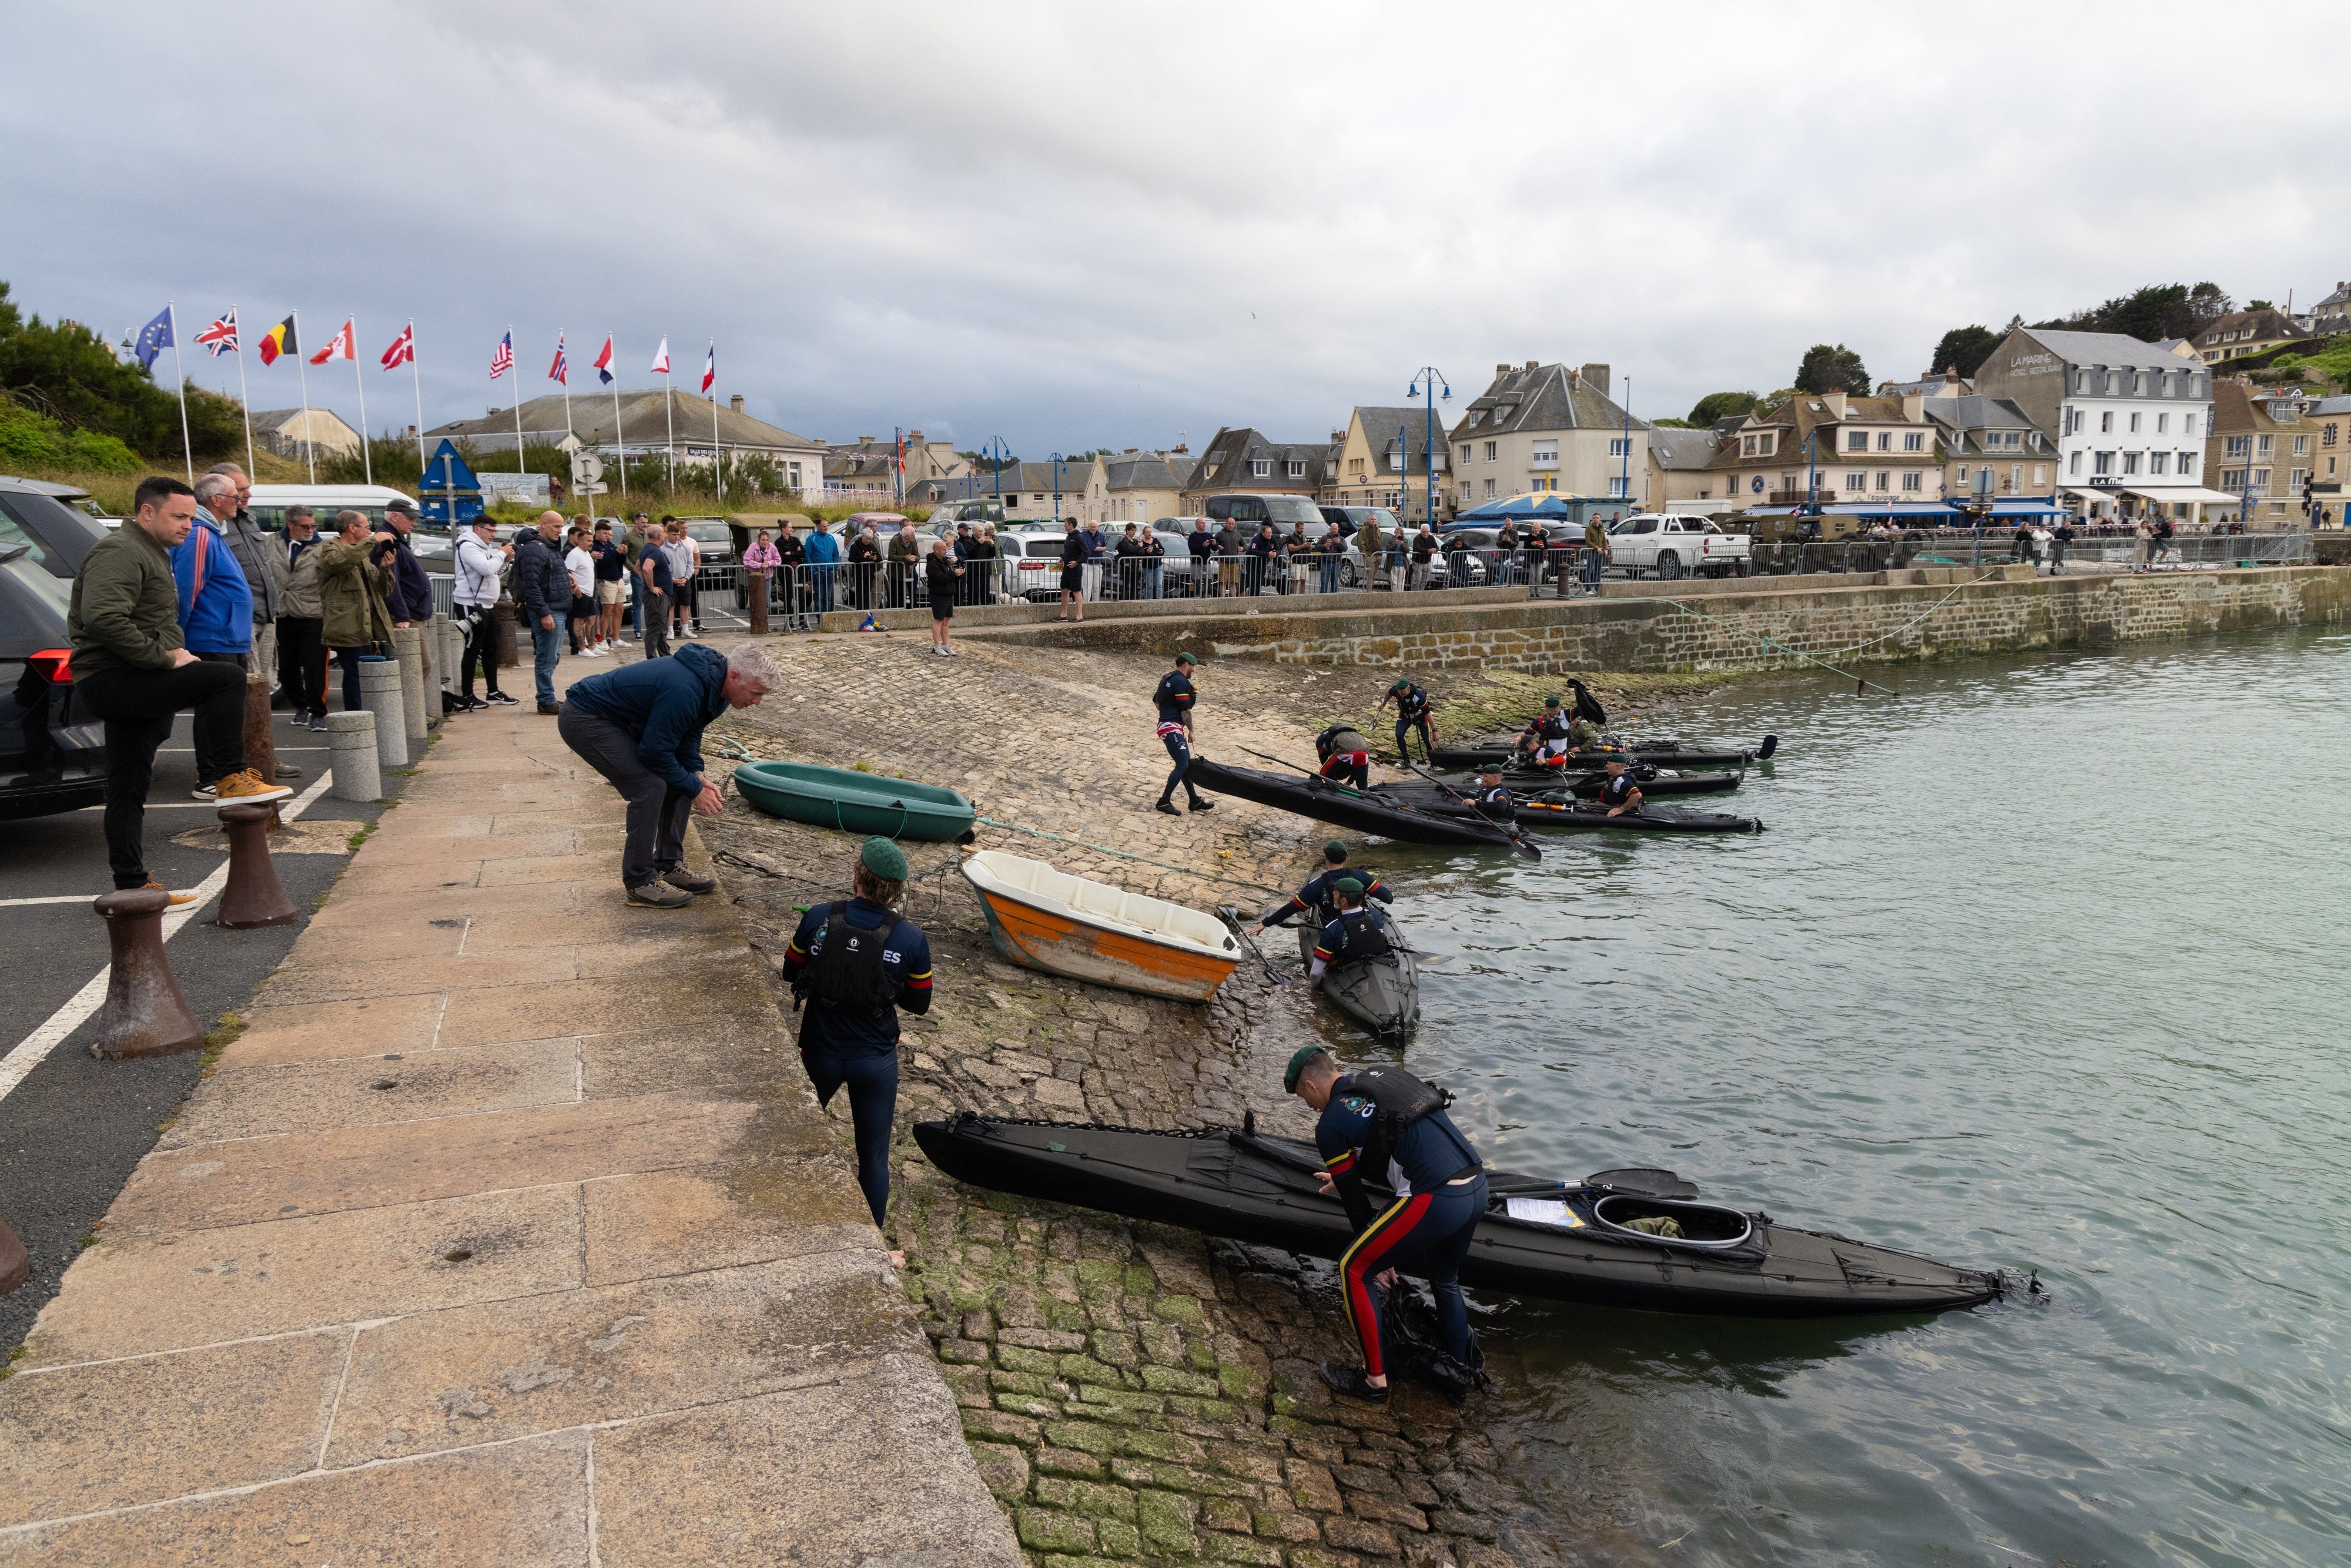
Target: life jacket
846,971
1367,940
1340,739
1398,1099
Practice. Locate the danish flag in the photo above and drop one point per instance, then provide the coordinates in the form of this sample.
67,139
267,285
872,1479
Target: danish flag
404,349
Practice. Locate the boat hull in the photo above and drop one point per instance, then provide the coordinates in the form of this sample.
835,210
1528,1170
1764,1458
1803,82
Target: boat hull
1382,997
1044,939
1247,1187
851,803
1651,754
1345,808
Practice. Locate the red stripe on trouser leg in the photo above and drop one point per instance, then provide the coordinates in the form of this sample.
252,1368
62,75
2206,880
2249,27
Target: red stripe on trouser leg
1361,1260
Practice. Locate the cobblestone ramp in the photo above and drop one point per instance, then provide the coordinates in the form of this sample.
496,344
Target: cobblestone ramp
507,1233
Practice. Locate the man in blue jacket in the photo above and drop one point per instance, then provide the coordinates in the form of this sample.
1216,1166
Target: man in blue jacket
216,611
823,552
544,585
641,727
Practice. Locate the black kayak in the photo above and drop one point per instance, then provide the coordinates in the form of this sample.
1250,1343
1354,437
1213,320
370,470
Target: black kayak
1381,994
1594,1242
1580,785
1653,753
1560,814
1366,812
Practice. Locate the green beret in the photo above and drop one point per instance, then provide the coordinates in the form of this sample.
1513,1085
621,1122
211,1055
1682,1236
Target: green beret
1402,685
1550,701
1348,885
884,859
1335,851
1298,1061
1185,659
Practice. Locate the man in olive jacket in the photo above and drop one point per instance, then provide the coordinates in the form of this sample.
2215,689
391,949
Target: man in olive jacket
351,599
132,671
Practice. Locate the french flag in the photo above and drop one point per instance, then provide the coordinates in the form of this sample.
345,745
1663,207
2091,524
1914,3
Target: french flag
710,369
604,361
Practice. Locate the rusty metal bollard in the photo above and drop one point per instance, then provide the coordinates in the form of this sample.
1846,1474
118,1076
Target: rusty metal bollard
756,602
254,896
144,1015
260,741
15,1267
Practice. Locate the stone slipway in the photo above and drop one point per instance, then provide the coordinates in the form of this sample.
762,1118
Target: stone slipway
508,1233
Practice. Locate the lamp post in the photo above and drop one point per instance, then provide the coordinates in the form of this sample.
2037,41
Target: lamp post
1624,467
998,455
1427,384
1812,476
1057,484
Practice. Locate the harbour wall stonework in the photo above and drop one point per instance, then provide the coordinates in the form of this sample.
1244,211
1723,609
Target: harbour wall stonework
1875,621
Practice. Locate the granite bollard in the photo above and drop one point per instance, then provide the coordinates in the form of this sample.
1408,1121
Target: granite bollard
351,747
380,694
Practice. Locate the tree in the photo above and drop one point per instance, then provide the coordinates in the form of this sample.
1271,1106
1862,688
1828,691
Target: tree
1826,369
2152,314
68,372
1721,405
1964,350
2259,304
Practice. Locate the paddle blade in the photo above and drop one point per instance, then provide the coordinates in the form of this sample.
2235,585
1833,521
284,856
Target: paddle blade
1763,752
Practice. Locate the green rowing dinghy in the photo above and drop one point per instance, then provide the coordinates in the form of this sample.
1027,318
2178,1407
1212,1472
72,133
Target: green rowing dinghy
855,802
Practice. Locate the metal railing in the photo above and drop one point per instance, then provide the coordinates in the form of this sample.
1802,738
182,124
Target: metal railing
2102,549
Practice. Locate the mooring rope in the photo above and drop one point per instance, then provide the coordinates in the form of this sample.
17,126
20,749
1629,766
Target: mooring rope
1146,859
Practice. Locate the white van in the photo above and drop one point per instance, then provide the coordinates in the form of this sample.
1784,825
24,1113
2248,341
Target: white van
269,502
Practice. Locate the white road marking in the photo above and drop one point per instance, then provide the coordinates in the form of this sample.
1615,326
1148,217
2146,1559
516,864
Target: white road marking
34,1049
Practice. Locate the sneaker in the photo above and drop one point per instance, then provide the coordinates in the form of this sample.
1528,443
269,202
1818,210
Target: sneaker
204,792
1352,1382
658,896
176,899
1168,807
500,698
246,788
287,770
682,878
1200,805
318,723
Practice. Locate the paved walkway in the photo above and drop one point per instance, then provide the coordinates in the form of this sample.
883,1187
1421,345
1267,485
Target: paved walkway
508,1233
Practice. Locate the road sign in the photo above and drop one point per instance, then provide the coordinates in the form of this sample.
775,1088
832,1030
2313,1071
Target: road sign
592,489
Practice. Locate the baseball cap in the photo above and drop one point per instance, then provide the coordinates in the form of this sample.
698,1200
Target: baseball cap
400,504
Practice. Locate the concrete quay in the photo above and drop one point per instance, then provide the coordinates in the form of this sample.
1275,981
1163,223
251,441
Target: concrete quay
507,1233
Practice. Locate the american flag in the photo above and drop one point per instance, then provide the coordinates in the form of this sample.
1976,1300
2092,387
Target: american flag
502,359
404,349
559,370
221,336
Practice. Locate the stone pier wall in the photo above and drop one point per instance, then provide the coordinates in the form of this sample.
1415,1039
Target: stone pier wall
1763,627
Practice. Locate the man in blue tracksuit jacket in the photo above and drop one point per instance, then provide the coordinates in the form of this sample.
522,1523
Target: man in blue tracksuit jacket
215,607
641,727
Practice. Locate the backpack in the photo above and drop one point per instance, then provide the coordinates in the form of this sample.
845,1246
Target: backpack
1398,1099
846,972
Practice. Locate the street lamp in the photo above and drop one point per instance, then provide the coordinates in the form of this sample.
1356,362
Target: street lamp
998,454
1057,486
1812,476
1427,384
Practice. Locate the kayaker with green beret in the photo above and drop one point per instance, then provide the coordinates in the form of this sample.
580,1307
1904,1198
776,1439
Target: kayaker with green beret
1174,699
1384,1124
1545,741
853,965
1316,894
1356,934
1413,712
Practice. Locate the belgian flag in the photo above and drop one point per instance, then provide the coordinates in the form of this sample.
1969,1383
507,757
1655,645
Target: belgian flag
278,340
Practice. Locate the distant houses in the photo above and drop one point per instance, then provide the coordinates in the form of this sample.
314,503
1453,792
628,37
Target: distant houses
656,425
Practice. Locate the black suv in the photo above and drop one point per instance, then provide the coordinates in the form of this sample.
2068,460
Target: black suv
52,758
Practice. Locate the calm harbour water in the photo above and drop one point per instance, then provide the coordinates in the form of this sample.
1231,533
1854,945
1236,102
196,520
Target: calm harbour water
2038,966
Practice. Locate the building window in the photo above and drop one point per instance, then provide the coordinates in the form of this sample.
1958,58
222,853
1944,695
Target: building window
2261,478
1618,446
2130,462
2232,478
1464,455
1489,489
2237,445
1914,480
2326,436
2134,424
1296,469
2186,424
2293,479
1886,440
2158,462
2262,445
2113,384
2106,422
2103,462
1856,481
2138,385
1884,480
1260,466
1915,440
1960,477
2162,423
2040,473
1546,454
1617,489
1857,441
2015,478
2074,465
1489,451
2302,447
2187,464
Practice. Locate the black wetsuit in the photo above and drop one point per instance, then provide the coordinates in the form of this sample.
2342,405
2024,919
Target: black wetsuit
1174,699
1316,894
1411,712
1621,789
1496,804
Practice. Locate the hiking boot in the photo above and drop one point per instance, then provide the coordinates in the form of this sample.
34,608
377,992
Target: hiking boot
1352,1382
658,896
680,877
548,710
1168,807
177,899
246,788
1200,805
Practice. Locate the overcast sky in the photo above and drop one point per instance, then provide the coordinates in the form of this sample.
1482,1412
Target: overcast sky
1075,225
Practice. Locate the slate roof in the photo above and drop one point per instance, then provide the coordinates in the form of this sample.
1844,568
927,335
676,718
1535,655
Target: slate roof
275,419
1146,471
2110,351
1548,397
641,419
1961,418
2329,405
1223,463
2251,327
1806,412
1683,450
1380,426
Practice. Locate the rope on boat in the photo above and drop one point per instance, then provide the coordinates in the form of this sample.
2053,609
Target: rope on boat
1146,859
1858,681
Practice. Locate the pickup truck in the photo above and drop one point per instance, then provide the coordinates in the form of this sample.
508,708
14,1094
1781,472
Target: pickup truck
1675,545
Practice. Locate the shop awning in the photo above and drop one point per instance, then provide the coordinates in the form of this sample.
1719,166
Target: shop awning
2191,494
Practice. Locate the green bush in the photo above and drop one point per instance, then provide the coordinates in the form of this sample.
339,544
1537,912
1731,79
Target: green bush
30,441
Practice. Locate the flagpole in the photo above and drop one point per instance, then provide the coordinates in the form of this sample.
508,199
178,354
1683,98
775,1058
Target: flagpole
619,434
187,446
309,447
568,430
367,442
716,466
244,402
669,409
419,375
517,369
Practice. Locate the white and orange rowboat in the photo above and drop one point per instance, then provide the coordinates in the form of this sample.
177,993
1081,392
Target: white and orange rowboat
1047,919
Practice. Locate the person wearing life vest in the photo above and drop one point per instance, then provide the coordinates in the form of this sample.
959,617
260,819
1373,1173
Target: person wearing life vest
1317,893
1493,800
1346,756
1412,712
1355,935
1545,742
854,966
1174,699
1619,793
1382,1124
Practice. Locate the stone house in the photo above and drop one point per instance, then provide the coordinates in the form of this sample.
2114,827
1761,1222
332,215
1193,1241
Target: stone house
1980,435
1546,427
2331,314
1239,459
1681,477
2242,333
1383,461
870,465
1861,450
2269,443
1137,487
1042,490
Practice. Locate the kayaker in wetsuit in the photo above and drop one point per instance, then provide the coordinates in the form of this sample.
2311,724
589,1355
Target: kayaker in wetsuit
1411,712
1545,741
1383,1123
1316,894
1620,794
1346,756
1356,934
1493,799
1174,699
853,965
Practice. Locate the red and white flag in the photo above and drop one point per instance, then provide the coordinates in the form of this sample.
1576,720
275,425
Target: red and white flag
343,345
604,361
221,336
710,369
660,360
502,357
404,349
562,370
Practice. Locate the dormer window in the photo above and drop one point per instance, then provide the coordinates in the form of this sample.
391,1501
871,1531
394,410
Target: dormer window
1259,467
1296,469
1857,441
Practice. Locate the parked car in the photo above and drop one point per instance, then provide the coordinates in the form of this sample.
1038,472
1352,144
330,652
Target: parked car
56,534
1675,545
52,756
950,513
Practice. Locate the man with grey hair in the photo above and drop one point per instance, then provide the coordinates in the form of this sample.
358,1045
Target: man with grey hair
257,556
641,727
216,613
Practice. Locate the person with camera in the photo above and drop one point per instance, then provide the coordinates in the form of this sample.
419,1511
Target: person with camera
480,561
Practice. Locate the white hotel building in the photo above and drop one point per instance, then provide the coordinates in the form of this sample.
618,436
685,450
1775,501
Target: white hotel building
2129,420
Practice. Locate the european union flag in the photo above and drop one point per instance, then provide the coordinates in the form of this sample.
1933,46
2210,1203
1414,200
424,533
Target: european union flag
155,337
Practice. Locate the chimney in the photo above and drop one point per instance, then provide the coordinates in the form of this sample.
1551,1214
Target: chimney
1914,407
736,402
1502,369
496,409
1598,376
1182,450
1534,364
1837,401
1338,438
864,441
914,439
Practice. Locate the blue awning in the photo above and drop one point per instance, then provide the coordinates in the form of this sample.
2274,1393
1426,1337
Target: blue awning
2030,508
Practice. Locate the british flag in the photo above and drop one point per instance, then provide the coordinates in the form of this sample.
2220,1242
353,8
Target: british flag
221,336
562,370
502,358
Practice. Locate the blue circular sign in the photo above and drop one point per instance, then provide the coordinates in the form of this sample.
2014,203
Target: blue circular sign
1756,484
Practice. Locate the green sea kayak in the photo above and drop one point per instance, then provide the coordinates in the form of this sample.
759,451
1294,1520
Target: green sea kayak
855,802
